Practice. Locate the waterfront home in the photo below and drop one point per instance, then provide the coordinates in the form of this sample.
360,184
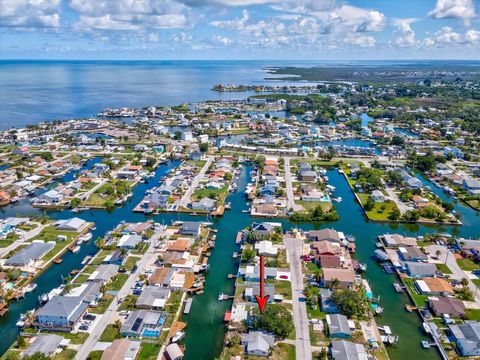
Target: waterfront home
257,343
5,198
472,186
114,258
146,323
252,272
326,303
447,306
99,169
61,313
434,286
420,270
308,175
46,344
345,277
467,337
173,352
196,155
408,180
126,174
187,136
162,277
411,253
264,229
21,151
338,326
129,241
324,234
325,247
190,228
104,273
377,196
396,240
266,248
73,224
50,197
346,350
205,204
253,290
329,261
153,297
33,252
123,349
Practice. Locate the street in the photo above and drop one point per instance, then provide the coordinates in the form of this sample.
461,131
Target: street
302,341
185,200
288,181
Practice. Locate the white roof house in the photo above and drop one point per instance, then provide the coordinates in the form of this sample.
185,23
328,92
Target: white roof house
266,248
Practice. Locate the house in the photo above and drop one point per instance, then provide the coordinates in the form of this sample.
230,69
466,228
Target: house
434,286
162,277
33,252
46,344
447,306
326,303
126,174
153,297
396,240
121,349
346,350
257,343
264,229
187,136
254,290
73,224
411,253
173,352
266,248
325,247
466,337
308,175
196,155
420,270
104,273
267,190
329,261
324,234
129,241
99,169
145,323
21,150
345,277
205,204
377,196
61,312
115,258
190,228
252,272
472,186
338,326
51,197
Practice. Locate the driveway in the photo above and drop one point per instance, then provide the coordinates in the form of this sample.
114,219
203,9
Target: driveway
302,341
288,181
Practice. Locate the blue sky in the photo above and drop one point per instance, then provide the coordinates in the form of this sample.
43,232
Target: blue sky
239,29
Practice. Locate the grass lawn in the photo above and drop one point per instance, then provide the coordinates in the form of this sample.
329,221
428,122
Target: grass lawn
283,352
148,351
418,299
467,264
472,314
81,279
377,213
110,333
283,288
6,242
131,261
66,354
128,303
100,257
118,282
55,250
95,355
444,268
102,304
311,267
210,193
315,313
476,282
310,205
50,233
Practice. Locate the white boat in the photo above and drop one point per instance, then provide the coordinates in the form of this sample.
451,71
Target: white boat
178,336
76,249
381,255
337,199
43,298
30,287
426,327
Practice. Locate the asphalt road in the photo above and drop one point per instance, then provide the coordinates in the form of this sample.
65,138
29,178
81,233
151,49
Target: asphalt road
302,341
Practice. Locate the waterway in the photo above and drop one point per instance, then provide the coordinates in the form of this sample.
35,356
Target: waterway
206,329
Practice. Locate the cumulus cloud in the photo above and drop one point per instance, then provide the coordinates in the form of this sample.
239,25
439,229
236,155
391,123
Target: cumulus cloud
447,36
29,13
459,9
235,24
363,41
221,40
405,34
131,15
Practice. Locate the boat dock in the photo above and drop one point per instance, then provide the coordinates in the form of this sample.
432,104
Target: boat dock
188,305
224,297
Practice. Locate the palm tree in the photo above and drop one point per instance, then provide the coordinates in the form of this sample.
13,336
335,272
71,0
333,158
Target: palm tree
334,284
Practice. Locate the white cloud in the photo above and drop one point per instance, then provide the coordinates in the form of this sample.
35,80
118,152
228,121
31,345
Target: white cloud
131,15
182,38
446,35
235,24
363,41
459,9
472,36
222,40
405,34
29,13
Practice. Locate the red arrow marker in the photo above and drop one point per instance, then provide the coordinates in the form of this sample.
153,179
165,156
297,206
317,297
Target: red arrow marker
261,300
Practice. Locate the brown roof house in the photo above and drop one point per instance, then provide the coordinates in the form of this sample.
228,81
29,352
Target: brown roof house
121,349
345,277
447,306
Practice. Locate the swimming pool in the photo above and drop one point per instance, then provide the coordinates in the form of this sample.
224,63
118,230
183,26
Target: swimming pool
8,286
151,333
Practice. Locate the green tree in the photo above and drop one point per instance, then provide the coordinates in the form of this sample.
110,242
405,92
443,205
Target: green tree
275,319
394,214
350,302
75,202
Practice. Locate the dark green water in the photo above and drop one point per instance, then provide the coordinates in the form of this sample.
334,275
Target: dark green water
205,329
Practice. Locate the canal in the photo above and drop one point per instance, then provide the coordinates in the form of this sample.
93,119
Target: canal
205,328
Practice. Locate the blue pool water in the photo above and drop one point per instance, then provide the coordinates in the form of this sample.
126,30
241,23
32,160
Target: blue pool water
151,333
